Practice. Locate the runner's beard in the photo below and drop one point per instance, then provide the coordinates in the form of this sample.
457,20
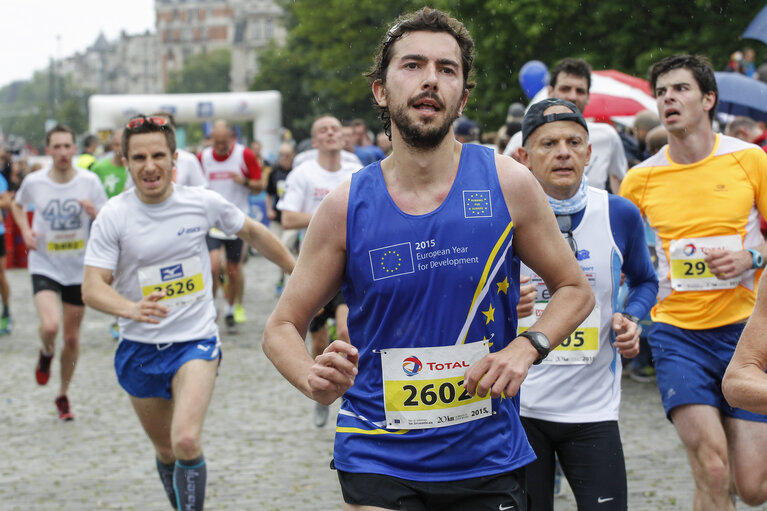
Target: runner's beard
423,136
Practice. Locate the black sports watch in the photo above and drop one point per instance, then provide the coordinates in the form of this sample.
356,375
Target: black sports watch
540,342
758,260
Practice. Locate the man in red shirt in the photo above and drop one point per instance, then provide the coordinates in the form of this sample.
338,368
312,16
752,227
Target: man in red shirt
232,170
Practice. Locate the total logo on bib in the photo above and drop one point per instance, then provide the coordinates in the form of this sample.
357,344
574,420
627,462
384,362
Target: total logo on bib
423,387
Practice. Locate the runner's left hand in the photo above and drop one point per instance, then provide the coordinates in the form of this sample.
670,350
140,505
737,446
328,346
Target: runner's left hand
626,335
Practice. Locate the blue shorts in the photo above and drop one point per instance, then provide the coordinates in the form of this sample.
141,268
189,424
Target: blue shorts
146,370
690,365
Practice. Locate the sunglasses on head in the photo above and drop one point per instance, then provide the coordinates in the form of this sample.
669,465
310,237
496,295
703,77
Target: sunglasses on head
566,227
140,121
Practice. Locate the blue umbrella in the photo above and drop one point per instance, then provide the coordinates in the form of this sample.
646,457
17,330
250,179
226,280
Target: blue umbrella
758,27
741,95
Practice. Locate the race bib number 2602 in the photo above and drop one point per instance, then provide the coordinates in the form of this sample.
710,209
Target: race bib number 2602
423,387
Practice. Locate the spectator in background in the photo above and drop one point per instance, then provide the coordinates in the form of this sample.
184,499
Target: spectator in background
383,142
357,141
466,131
5,162
735,64
747,129
86,160
571,80
275,189
111,171
655,139
644,121
749,69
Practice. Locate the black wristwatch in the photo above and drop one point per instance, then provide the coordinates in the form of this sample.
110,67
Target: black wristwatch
540,342
630,317
247,182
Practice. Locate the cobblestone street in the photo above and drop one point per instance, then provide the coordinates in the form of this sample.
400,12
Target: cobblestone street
263,451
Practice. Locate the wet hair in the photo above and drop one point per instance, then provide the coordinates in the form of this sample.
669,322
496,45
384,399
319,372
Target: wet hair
576,67
148,127
59,128
698,65
426,19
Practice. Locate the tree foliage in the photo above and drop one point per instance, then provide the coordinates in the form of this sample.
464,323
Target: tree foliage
320,69
203,72
26,105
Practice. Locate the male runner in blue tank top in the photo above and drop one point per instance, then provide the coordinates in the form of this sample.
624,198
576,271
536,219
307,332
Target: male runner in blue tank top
426,246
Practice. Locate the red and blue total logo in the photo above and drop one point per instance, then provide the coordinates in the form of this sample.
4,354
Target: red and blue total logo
412,366
689,249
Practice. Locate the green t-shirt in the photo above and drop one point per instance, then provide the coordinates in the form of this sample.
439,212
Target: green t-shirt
112,176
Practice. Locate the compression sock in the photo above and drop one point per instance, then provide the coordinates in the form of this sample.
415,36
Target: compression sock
166,476
6,311
189,479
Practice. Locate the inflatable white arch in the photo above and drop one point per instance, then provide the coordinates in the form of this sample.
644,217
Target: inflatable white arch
107,112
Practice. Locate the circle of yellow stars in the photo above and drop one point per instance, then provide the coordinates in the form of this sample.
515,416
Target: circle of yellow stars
383,259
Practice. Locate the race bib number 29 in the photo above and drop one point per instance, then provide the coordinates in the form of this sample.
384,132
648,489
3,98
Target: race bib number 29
423,387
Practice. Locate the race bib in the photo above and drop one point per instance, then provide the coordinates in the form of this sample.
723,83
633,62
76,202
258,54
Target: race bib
689,271
423,387
580,347
181,280
66,243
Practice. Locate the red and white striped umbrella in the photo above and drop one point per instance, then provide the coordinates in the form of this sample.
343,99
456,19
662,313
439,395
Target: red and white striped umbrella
614,96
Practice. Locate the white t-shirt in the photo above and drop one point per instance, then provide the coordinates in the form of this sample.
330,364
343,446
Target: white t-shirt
151,246
309,183
188,170
60,221
607,155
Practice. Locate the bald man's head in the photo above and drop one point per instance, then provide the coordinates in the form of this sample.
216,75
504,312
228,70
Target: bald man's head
221,135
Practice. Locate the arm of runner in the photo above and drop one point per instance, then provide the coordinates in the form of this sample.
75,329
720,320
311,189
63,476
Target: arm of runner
89,208
745,381
258,236
252,176
541,246
628,232
20,217
727,264
295,219
99,294
626,335
317,277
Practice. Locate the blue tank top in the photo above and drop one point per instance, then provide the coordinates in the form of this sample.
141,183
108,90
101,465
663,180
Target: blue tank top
444,278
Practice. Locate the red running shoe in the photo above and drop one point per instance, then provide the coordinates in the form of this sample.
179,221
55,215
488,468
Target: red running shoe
43,370
65,414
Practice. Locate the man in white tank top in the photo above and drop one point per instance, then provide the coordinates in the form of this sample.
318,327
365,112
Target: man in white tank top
231,169
569,403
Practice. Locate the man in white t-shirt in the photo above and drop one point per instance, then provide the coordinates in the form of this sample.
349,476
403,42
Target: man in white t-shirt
305,187
571,81
65,199
150,244
231,169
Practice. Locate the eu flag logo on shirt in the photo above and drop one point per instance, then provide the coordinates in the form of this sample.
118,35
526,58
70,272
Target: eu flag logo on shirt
476,204
391,261
171,272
